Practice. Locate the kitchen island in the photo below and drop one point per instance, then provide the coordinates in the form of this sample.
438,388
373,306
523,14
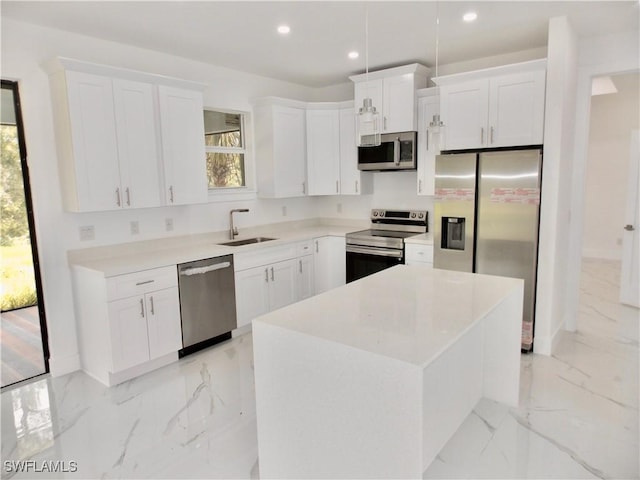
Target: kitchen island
371,379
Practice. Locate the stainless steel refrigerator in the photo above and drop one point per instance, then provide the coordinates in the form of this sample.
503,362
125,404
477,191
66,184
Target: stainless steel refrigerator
486,218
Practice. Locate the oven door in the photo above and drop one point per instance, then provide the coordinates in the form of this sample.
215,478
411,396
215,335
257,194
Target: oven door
363,261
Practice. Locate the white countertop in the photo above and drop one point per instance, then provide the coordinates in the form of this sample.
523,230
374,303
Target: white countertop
421,239
409,313
137,256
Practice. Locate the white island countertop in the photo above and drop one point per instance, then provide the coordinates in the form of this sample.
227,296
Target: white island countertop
408,313
371,379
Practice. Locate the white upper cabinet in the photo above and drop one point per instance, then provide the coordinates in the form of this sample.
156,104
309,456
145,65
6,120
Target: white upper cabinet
463,109
280,148
137,144
516,109
122,135
428,106
323,151
182,126
88,143
498,107
393,92
352,180
332,155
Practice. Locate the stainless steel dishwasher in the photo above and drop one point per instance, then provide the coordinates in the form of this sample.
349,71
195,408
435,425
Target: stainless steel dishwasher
207,302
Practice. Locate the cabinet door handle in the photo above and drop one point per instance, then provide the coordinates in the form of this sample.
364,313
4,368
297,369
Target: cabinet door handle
128,196
300,262
385,123
491,135
316,246
304,188
142,308
266,275
356,186
427,138
481,135
118,197
419,186
153,310
144,282
337,186
171,193
272,279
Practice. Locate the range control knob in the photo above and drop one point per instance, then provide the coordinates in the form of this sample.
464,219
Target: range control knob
375,213
413,215
421,215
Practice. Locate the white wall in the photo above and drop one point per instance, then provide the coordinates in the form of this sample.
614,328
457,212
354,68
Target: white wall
391,190
613,117
555,216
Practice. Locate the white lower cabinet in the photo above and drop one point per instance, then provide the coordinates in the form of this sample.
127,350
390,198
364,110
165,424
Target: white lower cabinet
144,328
272,278
128,324
305,278
418,254
252,294
329,263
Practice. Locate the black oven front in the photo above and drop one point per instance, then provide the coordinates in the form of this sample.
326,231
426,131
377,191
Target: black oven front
362,261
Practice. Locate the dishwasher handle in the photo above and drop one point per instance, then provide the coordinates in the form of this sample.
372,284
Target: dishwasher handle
206,269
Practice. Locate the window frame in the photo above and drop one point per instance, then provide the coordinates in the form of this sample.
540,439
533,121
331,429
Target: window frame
248,191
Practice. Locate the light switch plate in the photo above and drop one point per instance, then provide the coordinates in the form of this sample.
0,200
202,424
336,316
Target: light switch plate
168,224
135,227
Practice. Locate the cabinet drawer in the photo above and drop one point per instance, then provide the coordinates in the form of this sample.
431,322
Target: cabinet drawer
139,283
419,253
263,256
305,248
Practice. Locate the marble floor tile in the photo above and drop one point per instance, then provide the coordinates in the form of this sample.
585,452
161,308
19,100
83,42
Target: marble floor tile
577,418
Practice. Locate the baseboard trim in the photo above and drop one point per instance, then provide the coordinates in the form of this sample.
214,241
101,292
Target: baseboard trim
59,366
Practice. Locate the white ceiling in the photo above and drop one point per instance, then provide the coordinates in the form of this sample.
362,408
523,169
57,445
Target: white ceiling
242,35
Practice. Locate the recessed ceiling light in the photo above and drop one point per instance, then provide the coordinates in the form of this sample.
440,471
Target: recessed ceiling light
353,55
283,29
470,16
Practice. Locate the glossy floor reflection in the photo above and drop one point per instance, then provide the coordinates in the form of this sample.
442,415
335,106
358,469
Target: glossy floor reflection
578,413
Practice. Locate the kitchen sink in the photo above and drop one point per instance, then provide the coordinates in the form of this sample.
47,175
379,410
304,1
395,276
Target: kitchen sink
247,241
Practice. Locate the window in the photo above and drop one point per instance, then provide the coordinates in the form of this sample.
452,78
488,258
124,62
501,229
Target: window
225,148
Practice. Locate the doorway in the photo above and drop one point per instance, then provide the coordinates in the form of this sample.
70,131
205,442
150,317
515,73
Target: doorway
23,332
614,122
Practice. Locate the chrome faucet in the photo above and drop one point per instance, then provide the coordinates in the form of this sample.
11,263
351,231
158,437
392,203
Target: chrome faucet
233,231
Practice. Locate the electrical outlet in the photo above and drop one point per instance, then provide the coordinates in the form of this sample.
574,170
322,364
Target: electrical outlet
618,241
87,232
168,224
284,210
339,208
135,227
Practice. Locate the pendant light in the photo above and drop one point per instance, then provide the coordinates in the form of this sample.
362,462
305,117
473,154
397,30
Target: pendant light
368,126
435,130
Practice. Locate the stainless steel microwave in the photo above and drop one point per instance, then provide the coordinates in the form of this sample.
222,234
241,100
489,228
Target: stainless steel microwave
397,151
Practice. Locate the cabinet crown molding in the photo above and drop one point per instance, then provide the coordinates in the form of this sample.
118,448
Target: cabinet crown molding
522,67
415,68
288,102
60,64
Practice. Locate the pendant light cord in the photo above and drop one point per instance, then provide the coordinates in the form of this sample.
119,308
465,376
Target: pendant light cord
437,34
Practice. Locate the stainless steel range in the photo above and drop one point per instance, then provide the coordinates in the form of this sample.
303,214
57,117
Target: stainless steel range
382,246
